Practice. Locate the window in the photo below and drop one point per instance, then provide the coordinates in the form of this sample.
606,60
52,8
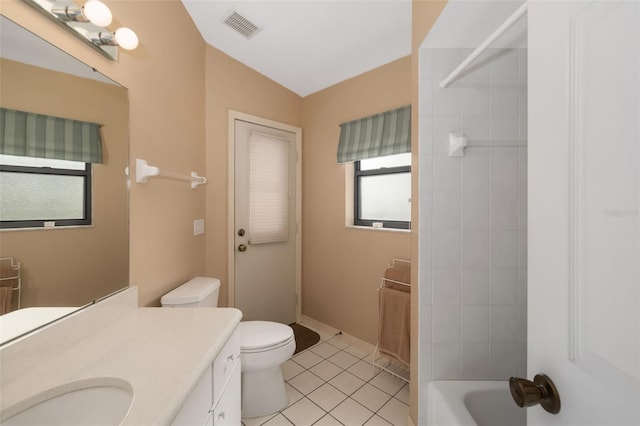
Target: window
382,191
34,192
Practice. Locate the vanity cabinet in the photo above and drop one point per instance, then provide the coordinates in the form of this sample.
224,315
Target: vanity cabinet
215,401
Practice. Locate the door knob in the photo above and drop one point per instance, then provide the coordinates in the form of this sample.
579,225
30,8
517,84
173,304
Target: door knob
242,247
541,391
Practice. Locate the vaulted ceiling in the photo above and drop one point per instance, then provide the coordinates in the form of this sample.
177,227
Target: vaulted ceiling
307,45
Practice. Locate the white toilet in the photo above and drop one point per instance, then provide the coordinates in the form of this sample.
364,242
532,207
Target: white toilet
264,346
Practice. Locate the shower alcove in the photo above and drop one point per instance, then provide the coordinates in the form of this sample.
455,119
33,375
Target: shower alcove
473,200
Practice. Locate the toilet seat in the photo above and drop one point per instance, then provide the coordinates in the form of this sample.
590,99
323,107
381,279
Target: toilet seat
262,336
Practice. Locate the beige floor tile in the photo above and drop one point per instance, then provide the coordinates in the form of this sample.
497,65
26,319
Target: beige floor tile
306,382
351,413
343,359
395,412
347,382
371,397
363,370
377,421
387,382
307,359
328,421
326,370
324,350
278,420
290,369
327,397
303,413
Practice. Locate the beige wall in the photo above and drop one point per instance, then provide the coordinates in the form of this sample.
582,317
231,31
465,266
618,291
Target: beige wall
232,85
74,266
165,78
342,266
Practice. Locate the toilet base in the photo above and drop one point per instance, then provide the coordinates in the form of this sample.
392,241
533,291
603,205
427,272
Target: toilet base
263,392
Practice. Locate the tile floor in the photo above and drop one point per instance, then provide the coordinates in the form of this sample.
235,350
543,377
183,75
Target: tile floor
333,383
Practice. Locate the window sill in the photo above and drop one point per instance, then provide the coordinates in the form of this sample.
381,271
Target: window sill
46,228
370,228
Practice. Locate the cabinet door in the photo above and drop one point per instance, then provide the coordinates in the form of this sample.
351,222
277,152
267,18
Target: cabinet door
224,364
227,411
196,408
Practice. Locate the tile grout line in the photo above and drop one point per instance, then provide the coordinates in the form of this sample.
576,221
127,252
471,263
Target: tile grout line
388,395
349,396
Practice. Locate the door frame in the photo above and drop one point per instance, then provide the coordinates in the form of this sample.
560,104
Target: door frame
231,187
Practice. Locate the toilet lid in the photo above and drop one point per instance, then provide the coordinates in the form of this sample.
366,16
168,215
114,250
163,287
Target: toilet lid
261,334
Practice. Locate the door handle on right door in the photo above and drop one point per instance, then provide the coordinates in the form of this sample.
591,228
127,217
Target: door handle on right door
541,391
242,248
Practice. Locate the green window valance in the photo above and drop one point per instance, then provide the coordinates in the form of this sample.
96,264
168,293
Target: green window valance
378,135
35,135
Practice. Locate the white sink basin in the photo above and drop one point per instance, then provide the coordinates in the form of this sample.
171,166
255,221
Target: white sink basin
102,401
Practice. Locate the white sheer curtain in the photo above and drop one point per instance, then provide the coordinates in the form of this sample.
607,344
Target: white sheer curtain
268,189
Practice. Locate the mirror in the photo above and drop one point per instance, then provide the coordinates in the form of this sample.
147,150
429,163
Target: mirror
75,265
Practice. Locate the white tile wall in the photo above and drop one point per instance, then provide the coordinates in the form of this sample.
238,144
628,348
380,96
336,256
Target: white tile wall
475,360
446,286
474,286
475,208
473,218
475,248
474,323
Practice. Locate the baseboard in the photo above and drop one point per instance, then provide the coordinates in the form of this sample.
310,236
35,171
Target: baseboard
331,331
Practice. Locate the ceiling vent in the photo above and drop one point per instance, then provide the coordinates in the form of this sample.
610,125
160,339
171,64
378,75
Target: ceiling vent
241,24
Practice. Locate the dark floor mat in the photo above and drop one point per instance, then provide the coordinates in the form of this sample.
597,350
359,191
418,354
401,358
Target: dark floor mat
305,338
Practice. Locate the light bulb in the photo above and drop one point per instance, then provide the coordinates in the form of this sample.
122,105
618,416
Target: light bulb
126,38
97,12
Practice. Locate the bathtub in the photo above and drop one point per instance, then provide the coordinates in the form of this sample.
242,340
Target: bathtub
471,403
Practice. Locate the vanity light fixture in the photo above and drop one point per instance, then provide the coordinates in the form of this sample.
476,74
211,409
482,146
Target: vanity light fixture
123,37
89,23
93,11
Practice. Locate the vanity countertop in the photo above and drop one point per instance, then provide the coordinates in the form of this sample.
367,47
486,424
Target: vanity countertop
161,352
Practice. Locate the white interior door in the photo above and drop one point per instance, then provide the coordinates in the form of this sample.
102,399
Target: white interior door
584,280
265,229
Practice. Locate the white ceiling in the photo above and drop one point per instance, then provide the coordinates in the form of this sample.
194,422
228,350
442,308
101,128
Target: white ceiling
467,23
309,45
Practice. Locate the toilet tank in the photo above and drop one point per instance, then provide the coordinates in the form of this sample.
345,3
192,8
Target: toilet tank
197,292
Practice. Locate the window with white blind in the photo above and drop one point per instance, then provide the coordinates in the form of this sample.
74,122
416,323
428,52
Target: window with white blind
268,189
